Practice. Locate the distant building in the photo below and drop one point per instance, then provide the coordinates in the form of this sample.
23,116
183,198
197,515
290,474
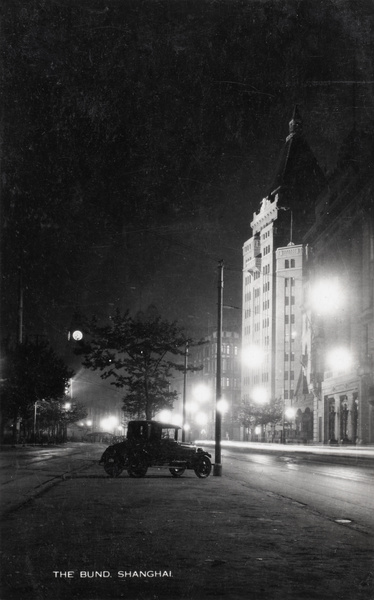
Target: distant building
201,387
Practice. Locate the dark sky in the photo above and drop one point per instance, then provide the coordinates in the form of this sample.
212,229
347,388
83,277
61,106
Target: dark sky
140,137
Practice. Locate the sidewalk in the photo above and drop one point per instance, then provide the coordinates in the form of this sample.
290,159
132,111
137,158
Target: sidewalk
160,538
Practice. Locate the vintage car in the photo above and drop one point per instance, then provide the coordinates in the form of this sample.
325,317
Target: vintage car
154,444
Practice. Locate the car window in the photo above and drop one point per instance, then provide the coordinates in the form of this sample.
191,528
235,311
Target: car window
168,433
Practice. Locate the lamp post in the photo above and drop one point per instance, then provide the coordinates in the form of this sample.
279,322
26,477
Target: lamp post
36,404
217,469
34,426
184,393
288,413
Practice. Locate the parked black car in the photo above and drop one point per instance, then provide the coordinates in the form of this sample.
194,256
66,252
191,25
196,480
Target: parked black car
154,444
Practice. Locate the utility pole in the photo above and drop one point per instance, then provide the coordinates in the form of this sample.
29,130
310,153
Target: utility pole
217,469
184,393
20,308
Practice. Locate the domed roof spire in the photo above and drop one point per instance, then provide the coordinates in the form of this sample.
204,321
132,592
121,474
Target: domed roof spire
296,124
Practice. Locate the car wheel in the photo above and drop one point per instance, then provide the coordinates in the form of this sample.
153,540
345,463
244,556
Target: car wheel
177,472
113,468
137,466
137,471
203,467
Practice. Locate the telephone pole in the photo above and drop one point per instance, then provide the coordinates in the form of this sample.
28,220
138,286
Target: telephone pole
217,469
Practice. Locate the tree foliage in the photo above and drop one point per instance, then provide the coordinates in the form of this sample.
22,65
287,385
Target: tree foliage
33,372
252,414
53,418
141,355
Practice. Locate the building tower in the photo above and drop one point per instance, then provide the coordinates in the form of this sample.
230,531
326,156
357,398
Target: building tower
272,274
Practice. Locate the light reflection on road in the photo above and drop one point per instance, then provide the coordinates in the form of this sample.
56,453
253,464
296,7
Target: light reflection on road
335,490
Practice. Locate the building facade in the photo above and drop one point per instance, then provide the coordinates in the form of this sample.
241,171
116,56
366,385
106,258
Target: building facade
200,387
308,291
339,319
273,267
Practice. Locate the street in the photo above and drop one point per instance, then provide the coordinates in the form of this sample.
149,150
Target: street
336,491
275,526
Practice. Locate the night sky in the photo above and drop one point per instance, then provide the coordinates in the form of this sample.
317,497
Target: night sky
140,136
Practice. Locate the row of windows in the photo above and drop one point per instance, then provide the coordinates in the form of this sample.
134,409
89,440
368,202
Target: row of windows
287,300
227,366
225,349
289,263
257,292
289,394
292,375
287,357
266,269
287,337
265,322
287,319
266,235
266,286
226,382
266,250
289,281
266,304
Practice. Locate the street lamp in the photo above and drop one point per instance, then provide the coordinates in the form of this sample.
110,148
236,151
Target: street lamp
184,392
289,413
109,423
260,395
253,356
339,359
326,296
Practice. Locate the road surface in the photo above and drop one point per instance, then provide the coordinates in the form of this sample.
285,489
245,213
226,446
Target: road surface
339,488
268,529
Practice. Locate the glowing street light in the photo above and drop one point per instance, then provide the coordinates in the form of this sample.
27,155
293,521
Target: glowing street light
327,296
201,392
109,423
253,356
289,414
223,406
165,416
339,359
260,395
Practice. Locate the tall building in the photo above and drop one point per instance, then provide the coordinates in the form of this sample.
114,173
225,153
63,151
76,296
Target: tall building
338,338
273,262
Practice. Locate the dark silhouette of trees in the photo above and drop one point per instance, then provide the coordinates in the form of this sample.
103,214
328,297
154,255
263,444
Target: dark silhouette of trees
32,373
140,355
